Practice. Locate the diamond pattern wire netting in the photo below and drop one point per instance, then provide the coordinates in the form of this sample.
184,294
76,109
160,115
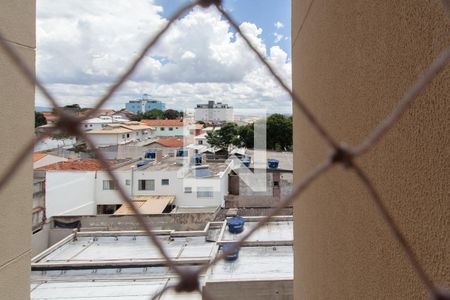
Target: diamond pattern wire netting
189,279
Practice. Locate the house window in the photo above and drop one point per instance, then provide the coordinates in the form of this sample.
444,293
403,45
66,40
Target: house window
188,190
85,126
146,185
200,142
276,184
128,135
123,136
164,181
108,185
127,181
205,192
161,128
176,127
170,128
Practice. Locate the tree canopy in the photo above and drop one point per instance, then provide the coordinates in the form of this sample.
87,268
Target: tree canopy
224,137
39,119
279,134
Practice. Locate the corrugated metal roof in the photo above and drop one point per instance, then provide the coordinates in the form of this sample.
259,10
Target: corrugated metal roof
147,205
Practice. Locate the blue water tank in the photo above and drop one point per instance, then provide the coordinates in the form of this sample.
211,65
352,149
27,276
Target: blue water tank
197,159
272,163
182,152
233,255
235,224
142,163
150,154
246,162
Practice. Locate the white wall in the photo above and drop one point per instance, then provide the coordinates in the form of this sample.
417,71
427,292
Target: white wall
214,114
176,131
48,160
110,197
70,193
110,139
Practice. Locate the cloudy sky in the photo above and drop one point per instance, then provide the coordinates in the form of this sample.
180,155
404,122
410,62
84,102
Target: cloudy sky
83,45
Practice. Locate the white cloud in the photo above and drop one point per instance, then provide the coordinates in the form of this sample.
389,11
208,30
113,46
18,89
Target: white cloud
278,25
278,37
84,45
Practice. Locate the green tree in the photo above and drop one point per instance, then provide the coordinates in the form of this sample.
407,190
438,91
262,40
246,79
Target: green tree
137,117
172,114
223,138
39,119
246,135
279,132
154,114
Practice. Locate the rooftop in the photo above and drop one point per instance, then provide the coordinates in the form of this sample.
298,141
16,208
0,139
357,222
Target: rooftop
79,165
127,265
169,142
177,122
38,156
109,130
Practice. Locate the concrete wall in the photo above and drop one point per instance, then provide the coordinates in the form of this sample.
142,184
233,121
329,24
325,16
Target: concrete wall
352,62
177,221
107,197
258,289
17,23
164,131
70,193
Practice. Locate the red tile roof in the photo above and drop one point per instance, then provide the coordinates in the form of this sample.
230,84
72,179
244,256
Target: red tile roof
38,156
49,116
170,142
163,122
79,165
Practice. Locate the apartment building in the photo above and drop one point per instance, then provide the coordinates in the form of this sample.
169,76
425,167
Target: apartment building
213,112
144,104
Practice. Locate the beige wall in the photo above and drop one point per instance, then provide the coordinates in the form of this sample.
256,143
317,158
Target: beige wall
17,22
352,62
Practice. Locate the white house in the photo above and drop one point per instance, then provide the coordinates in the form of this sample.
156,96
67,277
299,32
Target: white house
168,128
213,112
102,121
83,188
120,133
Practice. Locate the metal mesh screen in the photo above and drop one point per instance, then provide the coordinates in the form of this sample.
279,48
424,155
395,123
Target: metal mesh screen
341,155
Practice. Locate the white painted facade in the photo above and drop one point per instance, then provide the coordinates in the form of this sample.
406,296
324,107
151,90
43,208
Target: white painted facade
119,134
107,139
102,121
171,131
214,112
70,193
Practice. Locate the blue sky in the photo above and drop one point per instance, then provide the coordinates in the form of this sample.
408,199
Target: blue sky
83,46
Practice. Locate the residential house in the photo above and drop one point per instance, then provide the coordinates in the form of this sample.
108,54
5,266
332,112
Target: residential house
84,188
102,121
120,133
166,128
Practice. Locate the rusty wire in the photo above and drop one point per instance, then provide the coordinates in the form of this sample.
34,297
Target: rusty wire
189,280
